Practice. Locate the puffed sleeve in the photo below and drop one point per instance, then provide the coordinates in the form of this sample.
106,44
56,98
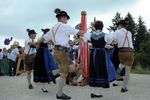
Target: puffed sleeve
69,29
115,35
87,36
49,36
108,38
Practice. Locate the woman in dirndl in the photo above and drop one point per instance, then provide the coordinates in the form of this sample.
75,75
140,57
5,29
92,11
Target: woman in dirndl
5,62
102,71
44,65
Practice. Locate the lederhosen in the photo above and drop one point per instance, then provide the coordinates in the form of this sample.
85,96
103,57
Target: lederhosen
61,55
29,60
126,54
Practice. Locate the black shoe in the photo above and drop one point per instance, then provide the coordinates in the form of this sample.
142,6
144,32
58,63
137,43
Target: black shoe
64,97
30,86
124,90
114,84
45,91
96,96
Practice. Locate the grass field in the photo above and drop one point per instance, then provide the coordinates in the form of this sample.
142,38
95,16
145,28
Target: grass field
140,70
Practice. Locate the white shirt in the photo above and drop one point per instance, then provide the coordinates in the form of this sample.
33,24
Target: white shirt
13,55
1,55
108,38
119,37
62,34
27,47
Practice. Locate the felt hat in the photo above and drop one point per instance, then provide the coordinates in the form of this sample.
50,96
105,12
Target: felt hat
60,13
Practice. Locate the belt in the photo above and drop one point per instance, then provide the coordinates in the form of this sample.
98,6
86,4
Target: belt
61,48
126,49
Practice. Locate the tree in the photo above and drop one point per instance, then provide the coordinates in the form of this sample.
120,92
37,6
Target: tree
116,19
141,34
131,25
142,44
14,45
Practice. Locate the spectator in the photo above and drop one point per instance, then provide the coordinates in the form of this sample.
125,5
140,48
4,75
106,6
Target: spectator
1,57
5,62
12,60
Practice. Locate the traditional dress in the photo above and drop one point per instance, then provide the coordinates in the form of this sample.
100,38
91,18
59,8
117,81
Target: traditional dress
113,54
1,57
5,64
44,64
102,70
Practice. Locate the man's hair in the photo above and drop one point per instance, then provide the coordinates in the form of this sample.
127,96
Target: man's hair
98,25
0,50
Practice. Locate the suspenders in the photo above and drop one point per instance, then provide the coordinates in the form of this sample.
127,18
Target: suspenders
54,33
126,38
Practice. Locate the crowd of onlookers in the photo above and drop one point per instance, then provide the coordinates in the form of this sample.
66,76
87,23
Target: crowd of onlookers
9,60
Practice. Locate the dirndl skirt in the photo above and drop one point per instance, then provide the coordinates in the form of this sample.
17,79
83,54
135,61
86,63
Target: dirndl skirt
102,71
5,66
44,64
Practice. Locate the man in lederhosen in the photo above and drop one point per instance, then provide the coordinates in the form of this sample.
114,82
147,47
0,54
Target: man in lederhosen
59,34
126,53
30,52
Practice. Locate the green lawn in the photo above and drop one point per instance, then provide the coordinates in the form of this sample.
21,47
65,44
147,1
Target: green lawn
139,70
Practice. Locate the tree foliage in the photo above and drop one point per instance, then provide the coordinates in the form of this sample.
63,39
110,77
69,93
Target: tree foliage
141,33
14,45
131,24
115,20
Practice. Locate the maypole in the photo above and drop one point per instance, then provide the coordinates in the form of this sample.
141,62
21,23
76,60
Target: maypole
83,54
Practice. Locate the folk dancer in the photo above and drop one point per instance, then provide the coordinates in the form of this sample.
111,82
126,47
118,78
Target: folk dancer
30,52
12,60
44,64
126,53
59,34
102,71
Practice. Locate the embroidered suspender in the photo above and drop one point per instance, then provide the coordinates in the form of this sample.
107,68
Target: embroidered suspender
54,33
126,38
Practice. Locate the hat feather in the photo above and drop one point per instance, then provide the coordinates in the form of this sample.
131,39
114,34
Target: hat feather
57,10
28,30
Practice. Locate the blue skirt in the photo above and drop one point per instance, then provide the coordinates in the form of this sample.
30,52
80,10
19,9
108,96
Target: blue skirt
115,57
44,64
102,71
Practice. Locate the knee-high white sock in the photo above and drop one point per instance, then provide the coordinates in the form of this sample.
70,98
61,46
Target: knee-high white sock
61,84
115,82
55,72
126,80
44,86
95,90
121,66
29,78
